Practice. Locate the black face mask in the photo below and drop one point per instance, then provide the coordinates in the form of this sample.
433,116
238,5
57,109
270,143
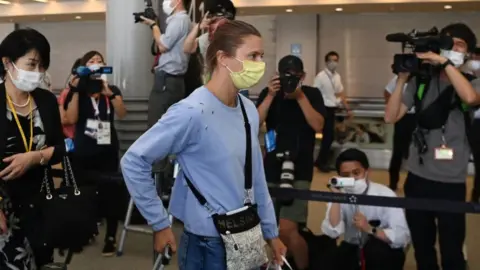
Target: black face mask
289,82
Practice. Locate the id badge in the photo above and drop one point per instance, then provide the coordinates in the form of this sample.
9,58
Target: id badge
443,153
91,128
270,140
69,145
103,133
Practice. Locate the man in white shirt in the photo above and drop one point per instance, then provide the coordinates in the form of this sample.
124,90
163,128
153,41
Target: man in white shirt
329,82
379,234
402,136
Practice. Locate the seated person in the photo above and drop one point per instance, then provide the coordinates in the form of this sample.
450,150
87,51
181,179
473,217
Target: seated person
378,234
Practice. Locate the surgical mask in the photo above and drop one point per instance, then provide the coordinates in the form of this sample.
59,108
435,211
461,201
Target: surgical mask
332,65
167,7
358,188
473,65
26,81
457,58
94,66
250,75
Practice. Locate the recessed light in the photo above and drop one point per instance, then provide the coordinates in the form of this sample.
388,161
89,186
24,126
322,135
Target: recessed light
41,1
78,17
447,7
288,10
3,2
339,9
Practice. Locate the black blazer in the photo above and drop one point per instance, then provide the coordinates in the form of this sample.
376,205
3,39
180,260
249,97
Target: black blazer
48,108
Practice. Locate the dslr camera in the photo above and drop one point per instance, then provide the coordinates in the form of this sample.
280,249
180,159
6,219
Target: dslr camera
148,13
91,78
341,182
416,42
288,82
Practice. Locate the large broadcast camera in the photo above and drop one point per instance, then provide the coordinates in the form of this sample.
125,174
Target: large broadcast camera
287,175
91,78
148,13
418,42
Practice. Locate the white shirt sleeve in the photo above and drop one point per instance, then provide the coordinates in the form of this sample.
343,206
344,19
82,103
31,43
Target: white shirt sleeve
391,85
339,83
328,229
317,82
397,229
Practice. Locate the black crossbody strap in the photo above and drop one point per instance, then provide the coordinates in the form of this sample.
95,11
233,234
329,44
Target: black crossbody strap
248,162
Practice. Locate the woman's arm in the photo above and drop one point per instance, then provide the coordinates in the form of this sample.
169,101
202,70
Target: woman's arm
170,135
115,95
190,44
71,112
61,107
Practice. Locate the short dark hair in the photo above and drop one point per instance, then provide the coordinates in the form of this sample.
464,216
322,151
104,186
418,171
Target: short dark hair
76,64
331,53
20,42
86,57
462,31
352,154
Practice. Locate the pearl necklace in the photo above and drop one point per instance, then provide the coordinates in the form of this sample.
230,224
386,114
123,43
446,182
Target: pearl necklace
23,105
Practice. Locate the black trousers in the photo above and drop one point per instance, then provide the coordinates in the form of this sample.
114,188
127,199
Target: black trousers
424,224
327,137
474,139
402,137
378,256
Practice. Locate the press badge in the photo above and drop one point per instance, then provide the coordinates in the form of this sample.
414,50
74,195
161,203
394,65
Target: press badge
103,133
443,153
270,140
91,128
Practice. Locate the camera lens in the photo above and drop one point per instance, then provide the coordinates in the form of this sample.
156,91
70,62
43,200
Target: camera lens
333,181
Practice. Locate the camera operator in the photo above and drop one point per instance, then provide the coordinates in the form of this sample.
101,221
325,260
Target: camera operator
92,108
473,67
402,136
169,84
439,154
214,16
330,84
294,112
381,233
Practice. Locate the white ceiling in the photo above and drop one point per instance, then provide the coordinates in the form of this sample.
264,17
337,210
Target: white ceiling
470,6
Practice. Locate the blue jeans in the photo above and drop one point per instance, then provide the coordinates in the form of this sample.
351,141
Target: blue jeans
201,253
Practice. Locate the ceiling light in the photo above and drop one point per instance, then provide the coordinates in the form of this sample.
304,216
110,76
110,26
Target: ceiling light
447,7
78,17
289,10
3,2
339,9
41,1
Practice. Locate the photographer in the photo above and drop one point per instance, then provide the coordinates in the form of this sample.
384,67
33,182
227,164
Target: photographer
402,136
169,84
294,113
439,154
379,233
92,108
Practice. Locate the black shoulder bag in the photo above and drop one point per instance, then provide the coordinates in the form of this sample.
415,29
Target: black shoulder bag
240,229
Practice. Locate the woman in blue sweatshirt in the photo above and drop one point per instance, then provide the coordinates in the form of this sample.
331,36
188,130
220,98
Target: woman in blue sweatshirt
207,133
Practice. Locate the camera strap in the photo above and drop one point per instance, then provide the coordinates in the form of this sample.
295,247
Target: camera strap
247,167
95,105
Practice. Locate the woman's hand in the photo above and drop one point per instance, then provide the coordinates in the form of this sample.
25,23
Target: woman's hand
3,223
279,250
106,91
19,164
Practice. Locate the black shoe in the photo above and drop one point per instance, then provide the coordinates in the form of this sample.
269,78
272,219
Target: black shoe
109,249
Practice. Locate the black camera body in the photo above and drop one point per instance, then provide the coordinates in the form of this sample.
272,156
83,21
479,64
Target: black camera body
417,42
90,80
148,13
288,82
220,8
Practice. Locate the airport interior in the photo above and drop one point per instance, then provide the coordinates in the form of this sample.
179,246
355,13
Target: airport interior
356,29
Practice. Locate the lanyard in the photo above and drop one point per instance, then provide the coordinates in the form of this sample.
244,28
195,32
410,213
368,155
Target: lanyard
95,106
28,146
330,78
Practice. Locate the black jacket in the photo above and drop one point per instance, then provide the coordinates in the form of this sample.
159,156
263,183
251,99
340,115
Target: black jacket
48,108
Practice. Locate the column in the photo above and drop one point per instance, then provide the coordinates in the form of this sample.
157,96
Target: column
5,29
128,48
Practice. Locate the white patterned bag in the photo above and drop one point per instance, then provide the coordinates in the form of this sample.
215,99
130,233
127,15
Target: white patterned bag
240,229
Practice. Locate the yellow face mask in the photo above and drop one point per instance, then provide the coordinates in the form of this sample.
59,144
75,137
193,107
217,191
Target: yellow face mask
251,74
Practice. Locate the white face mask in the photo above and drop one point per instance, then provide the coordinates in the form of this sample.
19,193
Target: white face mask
457,58
358,188
473,65
26,81
332,65
167,7
94,66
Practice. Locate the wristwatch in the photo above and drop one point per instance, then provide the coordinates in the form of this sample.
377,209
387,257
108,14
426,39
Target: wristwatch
448,62
152,25
373,231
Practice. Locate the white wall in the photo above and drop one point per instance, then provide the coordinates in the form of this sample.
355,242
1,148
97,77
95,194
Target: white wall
5,29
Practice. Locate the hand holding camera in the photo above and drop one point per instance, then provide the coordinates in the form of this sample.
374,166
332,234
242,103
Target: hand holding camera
274,85
205,23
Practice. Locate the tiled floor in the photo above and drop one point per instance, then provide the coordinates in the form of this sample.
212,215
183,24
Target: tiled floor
138,248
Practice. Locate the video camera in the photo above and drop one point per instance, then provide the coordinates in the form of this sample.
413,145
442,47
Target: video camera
91,78
418,42
341,182
148,13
